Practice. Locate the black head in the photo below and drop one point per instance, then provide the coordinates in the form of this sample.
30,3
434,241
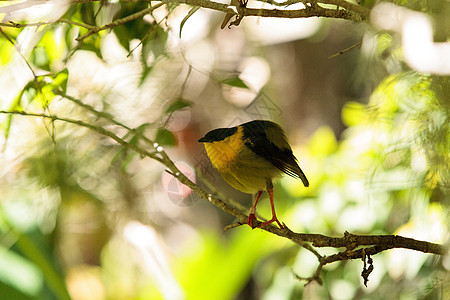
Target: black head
217,135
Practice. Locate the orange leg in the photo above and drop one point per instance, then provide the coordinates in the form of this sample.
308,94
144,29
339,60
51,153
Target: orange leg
274,215
251,215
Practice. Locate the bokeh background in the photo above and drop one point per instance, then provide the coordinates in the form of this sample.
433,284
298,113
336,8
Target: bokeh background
82,217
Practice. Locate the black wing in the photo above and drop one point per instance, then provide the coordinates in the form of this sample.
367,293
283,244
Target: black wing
260,137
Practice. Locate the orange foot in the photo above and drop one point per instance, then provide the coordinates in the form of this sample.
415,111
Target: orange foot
274,219
251,219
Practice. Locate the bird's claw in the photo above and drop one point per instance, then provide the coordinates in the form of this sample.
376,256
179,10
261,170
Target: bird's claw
271,221
251,219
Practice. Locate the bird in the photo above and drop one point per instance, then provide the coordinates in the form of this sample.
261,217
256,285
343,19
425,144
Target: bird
249,157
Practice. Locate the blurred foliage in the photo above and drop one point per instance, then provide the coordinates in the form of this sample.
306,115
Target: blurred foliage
84,218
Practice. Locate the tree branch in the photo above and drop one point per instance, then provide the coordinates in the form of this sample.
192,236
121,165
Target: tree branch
371,244
351,7
349,11
310,11
120,21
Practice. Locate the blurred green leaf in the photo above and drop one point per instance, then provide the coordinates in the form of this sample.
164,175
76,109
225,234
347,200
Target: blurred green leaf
367,3
323,142
54,50
124,155
147,70
165,137
40,58
177,104
61,79
155,42
52,278
353,113
135,29
91,44
235,81
16,105
6,49
87,13
38,257
233,258
20,273
189,14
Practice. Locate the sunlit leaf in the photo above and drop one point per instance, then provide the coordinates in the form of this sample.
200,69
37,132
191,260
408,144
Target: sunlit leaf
235,81
227,259
40,58
54,47
165,137
178,104
20,273
16,105
61,79
353,113
323,141
5,51
190,13
47,94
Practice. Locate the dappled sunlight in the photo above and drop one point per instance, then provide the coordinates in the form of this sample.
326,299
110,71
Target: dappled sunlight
152,258
99,107
419,49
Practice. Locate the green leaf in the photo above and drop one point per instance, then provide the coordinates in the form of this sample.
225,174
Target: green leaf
145,73
165,137
135,29
87,13
20,273
235,81
61,79
323,142
178,104
90,46
141,128
155,42
6,49
40,58
16,105
353,113
39,256
190,13
52,277
53,50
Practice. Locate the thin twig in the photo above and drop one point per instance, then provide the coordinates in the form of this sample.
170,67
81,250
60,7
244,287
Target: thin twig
345,50
120,21
106,116
233,225
95,128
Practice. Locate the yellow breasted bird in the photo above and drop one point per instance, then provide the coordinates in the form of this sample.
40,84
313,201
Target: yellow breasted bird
249,156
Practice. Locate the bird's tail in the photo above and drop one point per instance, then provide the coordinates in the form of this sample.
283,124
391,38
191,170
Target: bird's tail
303,178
